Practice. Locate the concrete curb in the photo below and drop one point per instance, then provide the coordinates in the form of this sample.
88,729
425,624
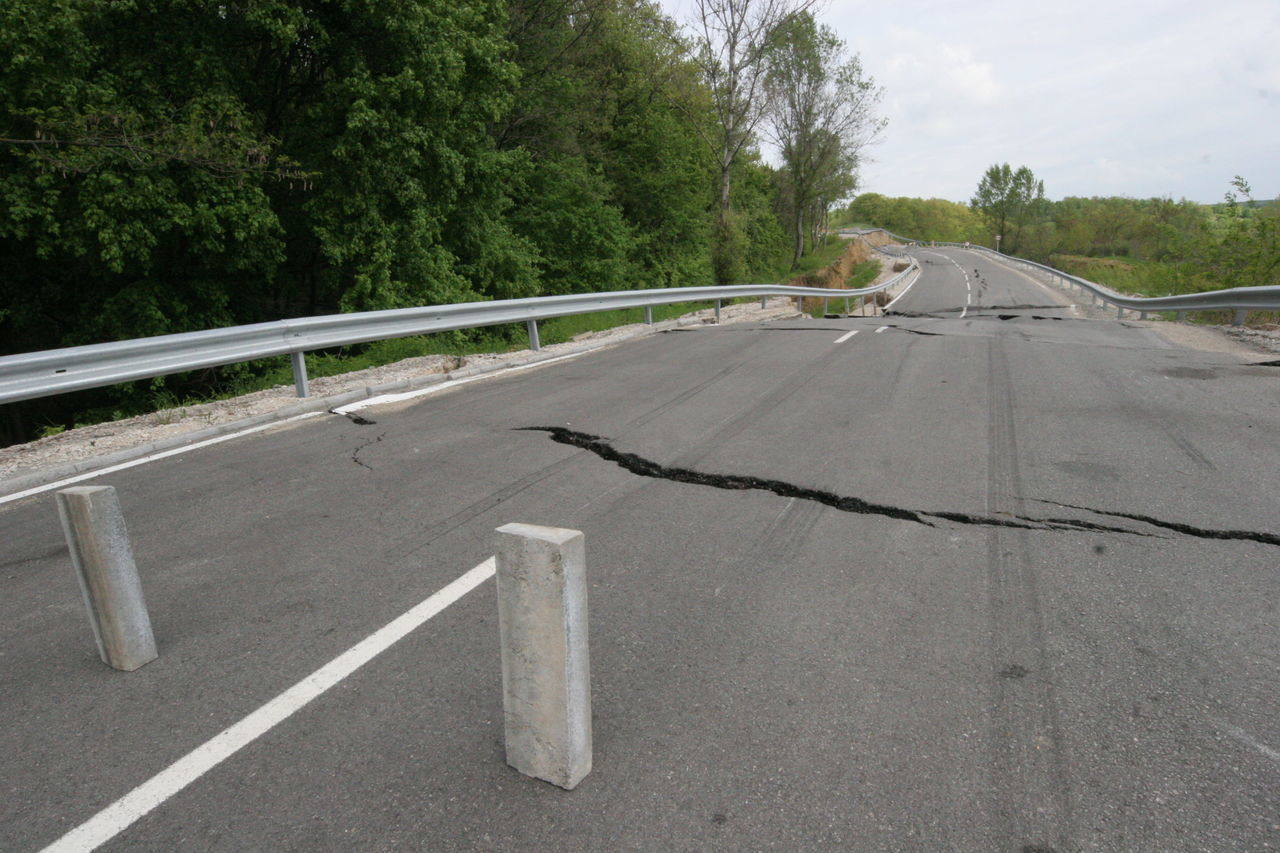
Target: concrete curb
322,404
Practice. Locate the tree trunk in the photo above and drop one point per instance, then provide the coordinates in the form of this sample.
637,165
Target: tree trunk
799,238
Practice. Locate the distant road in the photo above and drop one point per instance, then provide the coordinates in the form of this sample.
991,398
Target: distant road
978,575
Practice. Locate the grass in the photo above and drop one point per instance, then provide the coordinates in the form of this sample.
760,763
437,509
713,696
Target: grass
863,274
823,256
1150,278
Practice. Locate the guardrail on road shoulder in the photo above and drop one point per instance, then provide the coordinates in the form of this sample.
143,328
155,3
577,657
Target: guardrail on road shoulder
42,374
1235,299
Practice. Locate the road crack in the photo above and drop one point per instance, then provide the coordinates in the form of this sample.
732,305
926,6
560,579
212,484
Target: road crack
355,454
642,467
1178,526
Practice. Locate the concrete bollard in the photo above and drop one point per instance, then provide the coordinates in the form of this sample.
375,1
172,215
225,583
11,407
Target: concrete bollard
546,670
99,543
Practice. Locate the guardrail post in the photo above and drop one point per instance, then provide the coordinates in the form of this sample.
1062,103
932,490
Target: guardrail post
1238,318
534,343
648,315
764,302
717,312
1142,315
99,543
1180,316
1119,312
299,373
546,671
846,306
826,306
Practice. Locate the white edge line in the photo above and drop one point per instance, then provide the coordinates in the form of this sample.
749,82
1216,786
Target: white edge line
383,399
121,814
846,336
904,291
48,487
341,410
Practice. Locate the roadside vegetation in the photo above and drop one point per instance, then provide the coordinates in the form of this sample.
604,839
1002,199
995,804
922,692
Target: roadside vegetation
171,166
1149,247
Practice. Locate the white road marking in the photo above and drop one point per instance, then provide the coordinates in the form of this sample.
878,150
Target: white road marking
1244,737
881,329
48,487
904,291
121,814
452,383
341,410
846,336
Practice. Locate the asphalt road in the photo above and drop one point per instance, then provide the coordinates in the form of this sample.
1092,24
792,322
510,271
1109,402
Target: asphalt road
984,576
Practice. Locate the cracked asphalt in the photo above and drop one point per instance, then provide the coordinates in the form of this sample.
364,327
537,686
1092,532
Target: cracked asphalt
985,582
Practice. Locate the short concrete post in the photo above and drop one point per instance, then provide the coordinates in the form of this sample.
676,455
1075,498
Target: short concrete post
99,544
299,373
546,671
648,315
534,343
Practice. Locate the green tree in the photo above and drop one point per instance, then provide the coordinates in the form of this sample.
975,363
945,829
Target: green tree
1008,201
732,40
822,118
1245,252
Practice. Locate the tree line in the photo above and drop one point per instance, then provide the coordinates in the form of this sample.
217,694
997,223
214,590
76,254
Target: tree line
1154,246
174,165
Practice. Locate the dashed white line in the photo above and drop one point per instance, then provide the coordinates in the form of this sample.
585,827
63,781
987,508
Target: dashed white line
121,814
881,329
846,336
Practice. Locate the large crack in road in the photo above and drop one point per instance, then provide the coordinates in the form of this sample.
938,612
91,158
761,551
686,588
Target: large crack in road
638,465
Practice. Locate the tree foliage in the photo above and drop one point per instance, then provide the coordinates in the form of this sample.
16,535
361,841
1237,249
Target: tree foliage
822,118
173,165
732,44
1008,202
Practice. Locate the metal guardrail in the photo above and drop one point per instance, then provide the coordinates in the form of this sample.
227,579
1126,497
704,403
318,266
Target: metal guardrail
42,374
1235,299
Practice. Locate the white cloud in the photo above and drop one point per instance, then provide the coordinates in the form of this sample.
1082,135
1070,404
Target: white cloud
1139,98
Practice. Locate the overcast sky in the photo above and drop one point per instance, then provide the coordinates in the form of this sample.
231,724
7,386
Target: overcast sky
1123,97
